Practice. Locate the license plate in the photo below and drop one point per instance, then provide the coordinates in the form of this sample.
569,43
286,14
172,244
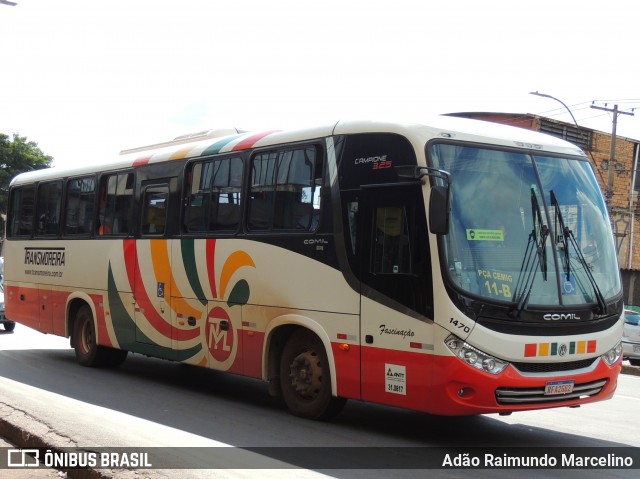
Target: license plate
559,387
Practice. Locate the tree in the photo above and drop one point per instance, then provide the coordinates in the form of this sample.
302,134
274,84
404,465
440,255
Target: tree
17,155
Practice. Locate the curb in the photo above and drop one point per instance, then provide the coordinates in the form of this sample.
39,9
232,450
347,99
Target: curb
26,432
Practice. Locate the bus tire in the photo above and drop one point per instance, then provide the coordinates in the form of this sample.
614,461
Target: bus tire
88,352
116,357
8,327
305,378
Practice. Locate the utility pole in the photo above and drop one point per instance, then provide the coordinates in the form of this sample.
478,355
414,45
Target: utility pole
612,154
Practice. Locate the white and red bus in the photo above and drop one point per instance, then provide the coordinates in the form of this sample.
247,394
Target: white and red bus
456,267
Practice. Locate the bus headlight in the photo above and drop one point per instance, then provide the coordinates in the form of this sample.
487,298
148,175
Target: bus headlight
474,357
611,356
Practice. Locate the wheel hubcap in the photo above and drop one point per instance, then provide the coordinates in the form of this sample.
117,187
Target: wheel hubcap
306,374
86,338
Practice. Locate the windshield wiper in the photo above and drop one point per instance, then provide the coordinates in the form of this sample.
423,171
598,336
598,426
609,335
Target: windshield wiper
567,237
564,237
530,263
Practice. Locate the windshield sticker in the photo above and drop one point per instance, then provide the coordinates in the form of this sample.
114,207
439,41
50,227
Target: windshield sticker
485,235
497,284
396,379
569,285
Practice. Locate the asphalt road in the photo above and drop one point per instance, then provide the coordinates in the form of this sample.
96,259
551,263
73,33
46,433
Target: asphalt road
47,399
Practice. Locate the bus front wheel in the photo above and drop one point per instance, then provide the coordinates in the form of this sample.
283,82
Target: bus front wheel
305,378
88,352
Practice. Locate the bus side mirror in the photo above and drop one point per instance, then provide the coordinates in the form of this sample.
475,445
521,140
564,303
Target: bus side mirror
439,210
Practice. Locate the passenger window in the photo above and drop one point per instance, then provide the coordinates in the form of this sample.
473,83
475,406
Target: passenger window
155,205
48,208
285,190
80,206
215,193
23,205
115,204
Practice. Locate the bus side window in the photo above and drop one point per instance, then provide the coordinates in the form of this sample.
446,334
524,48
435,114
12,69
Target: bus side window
224,213
22,208
263,176
214,195
154,215
79,206
285,191
115,203
48,206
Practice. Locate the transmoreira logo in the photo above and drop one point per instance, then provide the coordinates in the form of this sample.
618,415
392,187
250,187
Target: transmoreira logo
45,256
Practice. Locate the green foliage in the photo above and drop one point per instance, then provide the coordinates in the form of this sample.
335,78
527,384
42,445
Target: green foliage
17,155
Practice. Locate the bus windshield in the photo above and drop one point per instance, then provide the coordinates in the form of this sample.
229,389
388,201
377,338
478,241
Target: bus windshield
527,229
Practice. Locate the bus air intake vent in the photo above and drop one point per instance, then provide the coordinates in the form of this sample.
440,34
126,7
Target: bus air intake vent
553,367
537,395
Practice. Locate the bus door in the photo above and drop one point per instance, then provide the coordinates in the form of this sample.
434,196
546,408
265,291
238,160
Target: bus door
396,288
152,288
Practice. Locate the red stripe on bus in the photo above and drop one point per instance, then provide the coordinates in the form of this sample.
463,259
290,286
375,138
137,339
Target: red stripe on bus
347,370
130,260
143,160
142,298
211,273
101,321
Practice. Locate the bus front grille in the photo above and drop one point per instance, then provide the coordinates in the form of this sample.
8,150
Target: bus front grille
553,367
537,395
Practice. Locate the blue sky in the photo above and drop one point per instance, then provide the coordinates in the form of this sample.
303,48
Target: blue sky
86,79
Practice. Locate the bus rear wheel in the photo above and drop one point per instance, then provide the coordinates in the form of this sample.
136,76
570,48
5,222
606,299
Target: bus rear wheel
8,327
88,352
305,378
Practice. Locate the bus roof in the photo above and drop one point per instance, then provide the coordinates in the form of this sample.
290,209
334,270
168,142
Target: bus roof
223,141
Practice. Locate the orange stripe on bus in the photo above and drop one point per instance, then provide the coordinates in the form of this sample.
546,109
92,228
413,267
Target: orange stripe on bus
235,261
181,153
163,273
